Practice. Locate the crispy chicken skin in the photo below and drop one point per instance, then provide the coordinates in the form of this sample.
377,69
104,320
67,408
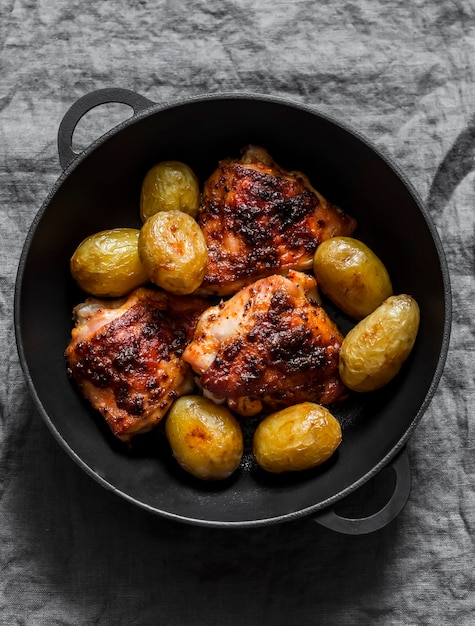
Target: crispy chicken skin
258,219
268,347
125,356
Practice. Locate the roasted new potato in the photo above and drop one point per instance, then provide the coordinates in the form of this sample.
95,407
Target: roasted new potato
351,275
173,251
205,438
107,264
167,186
296,438
373,352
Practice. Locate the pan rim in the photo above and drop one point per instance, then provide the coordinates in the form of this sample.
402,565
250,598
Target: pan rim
443,266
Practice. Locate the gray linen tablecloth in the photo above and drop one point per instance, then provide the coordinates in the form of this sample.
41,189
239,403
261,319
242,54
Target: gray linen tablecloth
404,74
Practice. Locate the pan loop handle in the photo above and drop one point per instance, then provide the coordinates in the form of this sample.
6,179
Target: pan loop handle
86,103
364,525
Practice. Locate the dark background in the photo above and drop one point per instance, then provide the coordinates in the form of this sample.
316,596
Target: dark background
402,73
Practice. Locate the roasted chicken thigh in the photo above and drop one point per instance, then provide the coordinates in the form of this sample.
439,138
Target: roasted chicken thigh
125,356
269,346
258,219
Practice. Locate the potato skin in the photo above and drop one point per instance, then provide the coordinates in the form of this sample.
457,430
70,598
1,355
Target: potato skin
169,186
351,275
173,250
205,438
373,352
107,263
296,438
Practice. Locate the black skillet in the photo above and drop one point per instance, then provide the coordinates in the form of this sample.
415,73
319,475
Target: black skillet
99,188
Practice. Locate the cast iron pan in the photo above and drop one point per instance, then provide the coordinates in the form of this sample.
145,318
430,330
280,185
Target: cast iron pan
99,189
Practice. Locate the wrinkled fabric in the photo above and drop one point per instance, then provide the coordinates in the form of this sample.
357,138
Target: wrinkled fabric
401,72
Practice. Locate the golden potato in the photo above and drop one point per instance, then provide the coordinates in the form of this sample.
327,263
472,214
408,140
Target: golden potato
205,438
296,438
167,186
173,250
373,352
351,275
107,264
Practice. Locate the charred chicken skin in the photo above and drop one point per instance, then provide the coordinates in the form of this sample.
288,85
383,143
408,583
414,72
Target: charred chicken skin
259,219
125,356
269,346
